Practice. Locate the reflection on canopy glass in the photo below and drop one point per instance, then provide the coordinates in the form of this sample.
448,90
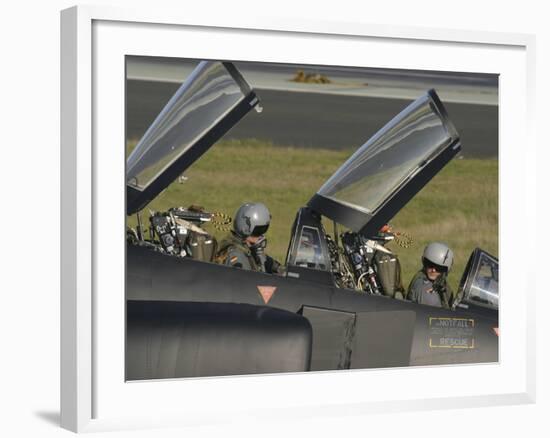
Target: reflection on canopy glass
484,290
204,98
389,158
310,253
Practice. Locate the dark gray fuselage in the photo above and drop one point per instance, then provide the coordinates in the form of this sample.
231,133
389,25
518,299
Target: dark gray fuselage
350,329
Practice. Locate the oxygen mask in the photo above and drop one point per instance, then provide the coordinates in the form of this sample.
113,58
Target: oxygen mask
258,251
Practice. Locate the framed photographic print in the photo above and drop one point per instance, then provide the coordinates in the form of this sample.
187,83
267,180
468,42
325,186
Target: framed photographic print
253,211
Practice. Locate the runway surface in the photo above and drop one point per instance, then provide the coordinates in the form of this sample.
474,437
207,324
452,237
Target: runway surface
326,120
458,87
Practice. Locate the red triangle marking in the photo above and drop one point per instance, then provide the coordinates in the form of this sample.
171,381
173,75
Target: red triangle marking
497,331
266,292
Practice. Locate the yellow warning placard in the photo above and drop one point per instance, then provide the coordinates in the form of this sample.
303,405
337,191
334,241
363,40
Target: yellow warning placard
451,332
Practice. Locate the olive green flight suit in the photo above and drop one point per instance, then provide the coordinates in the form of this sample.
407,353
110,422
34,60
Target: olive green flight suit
436,293
234,252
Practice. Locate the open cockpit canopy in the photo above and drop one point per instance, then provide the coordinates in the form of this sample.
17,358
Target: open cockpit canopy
390,168
212,99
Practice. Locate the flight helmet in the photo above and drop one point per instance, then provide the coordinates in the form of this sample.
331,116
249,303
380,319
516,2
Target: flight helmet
251,219
439,254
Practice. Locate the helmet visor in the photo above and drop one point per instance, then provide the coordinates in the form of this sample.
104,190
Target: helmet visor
259,230
427,264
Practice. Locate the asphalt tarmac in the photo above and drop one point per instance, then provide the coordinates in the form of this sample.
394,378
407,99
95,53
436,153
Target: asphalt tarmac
318,120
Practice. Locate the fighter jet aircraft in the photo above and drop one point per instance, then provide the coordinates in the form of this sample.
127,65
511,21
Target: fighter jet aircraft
335,307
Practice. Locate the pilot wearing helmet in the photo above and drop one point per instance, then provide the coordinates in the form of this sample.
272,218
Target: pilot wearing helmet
245,246
429,286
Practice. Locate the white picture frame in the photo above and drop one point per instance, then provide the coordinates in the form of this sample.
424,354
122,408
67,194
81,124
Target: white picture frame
94,41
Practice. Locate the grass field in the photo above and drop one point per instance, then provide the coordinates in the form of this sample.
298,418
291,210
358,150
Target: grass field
458,207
